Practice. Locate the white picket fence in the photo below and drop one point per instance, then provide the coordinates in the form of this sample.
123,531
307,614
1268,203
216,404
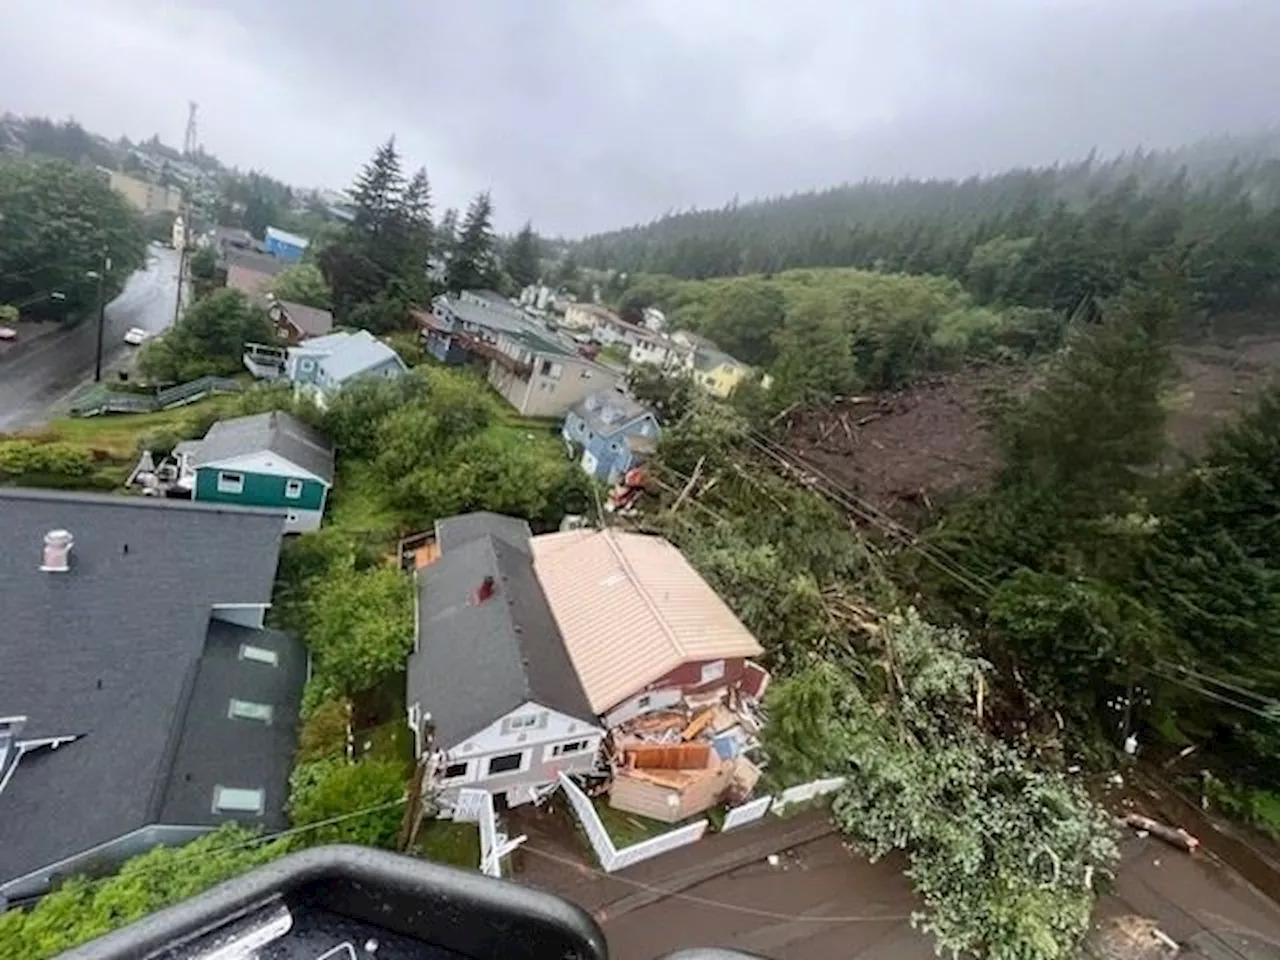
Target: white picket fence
476,806
806,791
747,813
610,857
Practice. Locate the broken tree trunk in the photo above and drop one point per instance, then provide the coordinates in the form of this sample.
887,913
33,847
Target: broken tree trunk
1175,836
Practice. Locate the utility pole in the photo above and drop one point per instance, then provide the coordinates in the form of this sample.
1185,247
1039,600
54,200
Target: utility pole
103,267
190,147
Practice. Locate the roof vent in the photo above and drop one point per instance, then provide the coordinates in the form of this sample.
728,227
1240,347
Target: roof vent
57,551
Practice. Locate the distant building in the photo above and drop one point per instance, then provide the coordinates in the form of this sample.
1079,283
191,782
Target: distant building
613,432
178,236
659,351
654,319
286,246
588,316
295,322
541,376
147,197
323,366
718,373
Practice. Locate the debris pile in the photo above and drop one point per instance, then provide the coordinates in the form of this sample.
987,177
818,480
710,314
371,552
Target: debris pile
674,763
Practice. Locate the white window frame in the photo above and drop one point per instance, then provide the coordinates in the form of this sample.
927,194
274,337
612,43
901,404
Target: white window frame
462,777
260,655
524,763
250,710
526,721
293,489
225,800
712,672
226,483
558,751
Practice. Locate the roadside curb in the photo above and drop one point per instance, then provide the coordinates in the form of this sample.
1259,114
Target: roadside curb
730,861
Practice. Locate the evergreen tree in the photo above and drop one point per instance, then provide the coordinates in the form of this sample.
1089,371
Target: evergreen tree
418,239
522,259
473,263
378,193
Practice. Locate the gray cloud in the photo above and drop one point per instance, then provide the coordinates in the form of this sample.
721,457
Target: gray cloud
582,114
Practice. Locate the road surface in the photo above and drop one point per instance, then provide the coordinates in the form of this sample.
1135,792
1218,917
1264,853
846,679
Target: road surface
33,379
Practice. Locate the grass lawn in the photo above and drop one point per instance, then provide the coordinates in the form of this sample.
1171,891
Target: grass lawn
628,828
359,503
120,433
443,841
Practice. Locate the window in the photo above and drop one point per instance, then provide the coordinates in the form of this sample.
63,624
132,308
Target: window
307,365
527,722
293,489
259,655
230,482
546,368
712,671
643,701
248,710
506,763
455,771
238,800
574,746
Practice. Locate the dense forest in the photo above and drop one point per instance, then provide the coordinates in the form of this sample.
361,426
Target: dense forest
1046,237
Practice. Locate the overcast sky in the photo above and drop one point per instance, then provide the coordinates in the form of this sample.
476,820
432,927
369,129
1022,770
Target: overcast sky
588,114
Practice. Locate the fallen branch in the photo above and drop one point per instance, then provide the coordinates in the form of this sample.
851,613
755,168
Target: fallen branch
1175,836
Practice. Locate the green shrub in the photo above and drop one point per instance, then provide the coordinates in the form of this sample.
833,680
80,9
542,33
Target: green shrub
324,734
22,457
322,790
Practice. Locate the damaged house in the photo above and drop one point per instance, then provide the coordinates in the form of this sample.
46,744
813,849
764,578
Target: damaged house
534,652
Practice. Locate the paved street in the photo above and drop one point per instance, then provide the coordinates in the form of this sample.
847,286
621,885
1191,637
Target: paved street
34,377
817,901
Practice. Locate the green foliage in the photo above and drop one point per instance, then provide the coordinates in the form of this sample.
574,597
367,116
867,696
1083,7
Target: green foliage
19,458
8,314
208,339
359,628
1051,237
353,418
382,314
324,734
58,220
82,910
523,257
321,790
303,284
1080,641
473,265
1003,854
743,317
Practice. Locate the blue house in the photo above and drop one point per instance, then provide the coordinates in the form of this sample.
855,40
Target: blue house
614,432
324,365
286,246
481,315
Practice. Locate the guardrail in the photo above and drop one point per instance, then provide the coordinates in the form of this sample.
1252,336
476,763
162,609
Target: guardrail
105,401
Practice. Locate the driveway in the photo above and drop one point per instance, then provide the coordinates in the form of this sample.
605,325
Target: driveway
34,379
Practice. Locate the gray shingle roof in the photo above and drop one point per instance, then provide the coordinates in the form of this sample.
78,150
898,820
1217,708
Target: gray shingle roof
476,662
216,749
348,355
605,412
453,532
273,432
107,650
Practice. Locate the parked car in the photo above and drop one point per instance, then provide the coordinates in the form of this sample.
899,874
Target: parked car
8,333
135,336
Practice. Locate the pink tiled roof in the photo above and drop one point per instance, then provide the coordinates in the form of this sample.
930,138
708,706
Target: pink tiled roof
631,609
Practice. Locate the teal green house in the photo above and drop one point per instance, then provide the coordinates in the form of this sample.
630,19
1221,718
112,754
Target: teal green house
271,460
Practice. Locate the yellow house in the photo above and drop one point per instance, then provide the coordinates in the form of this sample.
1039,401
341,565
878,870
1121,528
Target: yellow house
718,373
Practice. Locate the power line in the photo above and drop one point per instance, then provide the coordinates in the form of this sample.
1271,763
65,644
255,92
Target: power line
707,902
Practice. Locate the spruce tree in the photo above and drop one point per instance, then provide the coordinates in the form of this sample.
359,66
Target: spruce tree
473,265
378,192
522,257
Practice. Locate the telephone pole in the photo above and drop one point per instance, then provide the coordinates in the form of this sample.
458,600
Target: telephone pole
190,147
101,274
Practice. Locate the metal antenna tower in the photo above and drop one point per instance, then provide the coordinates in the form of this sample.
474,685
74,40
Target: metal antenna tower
190,143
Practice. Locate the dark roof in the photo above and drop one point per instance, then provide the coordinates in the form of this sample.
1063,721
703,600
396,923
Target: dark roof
216,749
476,662
108,650
273,432
605,412
310,321
263,263
453,532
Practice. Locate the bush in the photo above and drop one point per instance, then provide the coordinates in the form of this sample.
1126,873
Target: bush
324,735
19,458
360,628
83,910
325,789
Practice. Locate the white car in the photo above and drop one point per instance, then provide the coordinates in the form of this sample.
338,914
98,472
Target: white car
135,336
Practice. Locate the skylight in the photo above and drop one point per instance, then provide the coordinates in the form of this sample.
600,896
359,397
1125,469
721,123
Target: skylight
238,800
248,710
259,654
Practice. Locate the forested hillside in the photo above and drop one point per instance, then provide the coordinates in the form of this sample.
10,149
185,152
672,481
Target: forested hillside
1039,237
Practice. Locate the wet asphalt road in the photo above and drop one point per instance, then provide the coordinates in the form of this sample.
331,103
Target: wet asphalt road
35,377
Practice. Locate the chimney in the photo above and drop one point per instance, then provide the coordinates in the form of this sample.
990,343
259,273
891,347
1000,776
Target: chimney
57,551
486,590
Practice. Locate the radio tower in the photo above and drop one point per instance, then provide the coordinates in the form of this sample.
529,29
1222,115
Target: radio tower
190,143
